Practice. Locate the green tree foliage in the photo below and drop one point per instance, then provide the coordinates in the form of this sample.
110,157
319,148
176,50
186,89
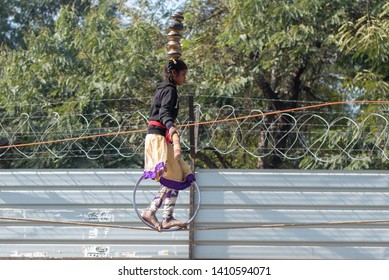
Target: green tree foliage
98,64
65,58
363,46
365,42
284,51
19,16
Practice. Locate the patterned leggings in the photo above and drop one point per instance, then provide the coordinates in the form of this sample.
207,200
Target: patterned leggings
170,197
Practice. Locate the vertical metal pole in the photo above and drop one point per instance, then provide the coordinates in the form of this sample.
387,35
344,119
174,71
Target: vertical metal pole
192,165
192,129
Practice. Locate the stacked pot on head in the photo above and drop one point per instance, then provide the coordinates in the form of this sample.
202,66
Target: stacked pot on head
174,36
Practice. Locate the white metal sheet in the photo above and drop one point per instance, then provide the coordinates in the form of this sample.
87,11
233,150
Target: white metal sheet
230,198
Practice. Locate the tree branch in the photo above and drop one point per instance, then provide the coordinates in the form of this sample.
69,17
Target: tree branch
215,13
296,83
269,93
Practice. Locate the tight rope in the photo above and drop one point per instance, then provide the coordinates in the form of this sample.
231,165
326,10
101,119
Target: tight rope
279,225
200,123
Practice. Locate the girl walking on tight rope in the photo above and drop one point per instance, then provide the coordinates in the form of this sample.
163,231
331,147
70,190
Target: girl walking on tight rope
160,164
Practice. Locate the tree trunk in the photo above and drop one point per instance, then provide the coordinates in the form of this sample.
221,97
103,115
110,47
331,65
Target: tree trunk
273,141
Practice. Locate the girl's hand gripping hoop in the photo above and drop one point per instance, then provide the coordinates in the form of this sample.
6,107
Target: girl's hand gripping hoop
176,146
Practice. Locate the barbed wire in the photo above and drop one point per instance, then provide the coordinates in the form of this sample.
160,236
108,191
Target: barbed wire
326,136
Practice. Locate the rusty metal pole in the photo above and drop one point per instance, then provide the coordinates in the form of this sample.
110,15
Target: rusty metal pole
192,195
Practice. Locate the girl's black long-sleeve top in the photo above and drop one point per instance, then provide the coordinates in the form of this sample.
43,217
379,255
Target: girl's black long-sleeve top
164,107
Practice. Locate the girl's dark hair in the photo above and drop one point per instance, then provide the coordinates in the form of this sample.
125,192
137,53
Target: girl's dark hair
173,64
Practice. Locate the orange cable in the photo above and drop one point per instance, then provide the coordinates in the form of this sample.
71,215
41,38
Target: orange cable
203,123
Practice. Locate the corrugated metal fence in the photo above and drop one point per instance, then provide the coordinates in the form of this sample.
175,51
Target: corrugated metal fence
271,201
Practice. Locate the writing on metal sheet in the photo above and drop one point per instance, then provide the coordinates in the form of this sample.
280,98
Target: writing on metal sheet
96,251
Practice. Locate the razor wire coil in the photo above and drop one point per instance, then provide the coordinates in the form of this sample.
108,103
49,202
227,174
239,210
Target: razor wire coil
325,136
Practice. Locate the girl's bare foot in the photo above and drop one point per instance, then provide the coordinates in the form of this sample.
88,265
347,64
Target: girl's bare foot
169,223
149,217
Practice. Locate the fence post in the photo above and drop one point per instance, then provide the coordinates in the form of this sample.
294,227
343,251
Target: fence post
192,165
